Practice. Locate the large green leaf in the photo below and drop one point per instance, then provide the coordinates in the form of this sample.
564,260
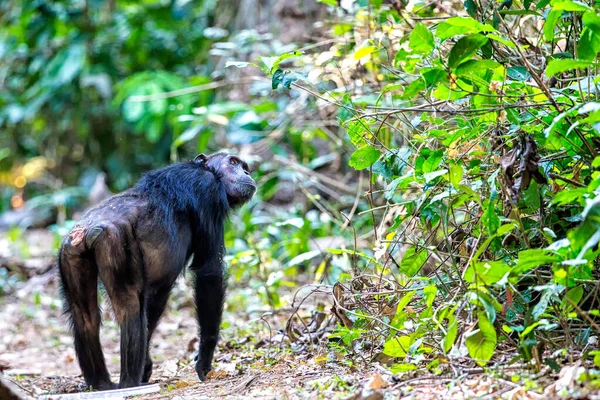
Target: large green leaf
592,21
476,66
397,347
455,175
465,49
461,26
589,44
559,66
570,5
486,272
364,157
532,258
413,260
421,39
550,24
481,343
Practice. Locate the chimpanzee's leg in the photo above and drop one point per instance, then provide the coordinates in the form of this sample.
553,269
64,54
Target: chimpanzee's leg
156,306
210,293
122,272
79,277
130,309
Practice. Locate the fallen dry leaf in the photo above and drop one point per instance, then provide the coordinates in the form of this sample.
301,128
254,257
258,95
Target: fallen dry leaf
216,374
377,382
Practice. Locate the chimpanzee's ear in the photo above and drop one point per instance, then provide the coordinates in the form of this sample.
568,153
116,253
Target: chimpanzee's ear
200,159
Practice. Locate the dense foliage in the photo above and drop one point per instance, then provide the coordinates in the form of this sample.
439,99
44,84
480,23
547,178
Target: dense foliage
480,134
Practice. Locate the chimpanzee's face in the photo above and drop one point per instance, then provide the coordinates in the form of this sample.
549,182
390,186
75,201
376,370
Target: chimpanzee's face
235,175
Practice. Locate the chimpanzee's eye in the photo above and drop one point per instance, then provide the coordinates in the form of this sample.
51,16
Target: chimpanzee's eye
233,161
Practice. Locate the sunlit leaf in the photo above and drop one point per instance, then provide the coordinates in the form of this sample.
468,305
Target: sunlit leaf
421,39
364,157
397,347
559,66
364,51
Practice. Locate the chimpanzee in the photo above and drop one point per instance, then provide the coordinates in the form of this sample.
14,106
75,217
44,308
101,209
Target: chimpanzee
137,243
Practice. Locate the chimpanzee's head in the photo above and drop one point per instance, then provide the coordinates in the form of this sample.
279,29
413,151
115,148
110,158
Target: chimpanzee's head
234,173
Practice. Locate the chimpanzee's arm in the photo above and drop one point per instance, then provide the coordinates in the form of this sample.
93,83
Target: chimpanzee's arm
210,294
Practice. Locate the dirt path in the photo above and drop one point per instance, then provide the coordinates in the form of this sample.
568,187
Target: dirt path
36,353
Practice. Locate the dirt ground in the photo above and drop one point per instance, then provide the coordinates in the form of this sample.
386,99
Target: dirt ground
254,358
36,351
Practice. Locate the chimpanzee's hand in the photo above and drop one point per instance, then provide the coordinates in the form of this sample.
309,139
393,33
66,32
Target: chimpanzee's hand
202,368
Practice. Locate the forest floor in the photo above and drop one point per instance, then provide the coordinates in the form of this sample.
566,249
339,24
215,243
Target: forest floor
254,358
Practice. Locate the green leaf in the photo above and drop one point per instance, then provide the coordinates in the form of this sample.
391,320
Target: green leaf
518,73
541,4
471,8
435,174
455,175
461,26
559,66
570,5
188,135
404,367
421,39
481,343
486,272
542,305
575,294
413,260
476,66
357,131
364,157
550,24
364,51
451,334
589,45
413,88
285,78
133,110
571,196
465,49
271,64
490,219
340,29
433,161
592,20
532,258
502,40
332,3
397,347
400,315
434,76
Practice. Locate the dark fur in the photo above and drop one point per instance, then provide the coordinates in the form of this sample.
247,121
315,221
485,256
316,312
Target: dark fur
138,243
